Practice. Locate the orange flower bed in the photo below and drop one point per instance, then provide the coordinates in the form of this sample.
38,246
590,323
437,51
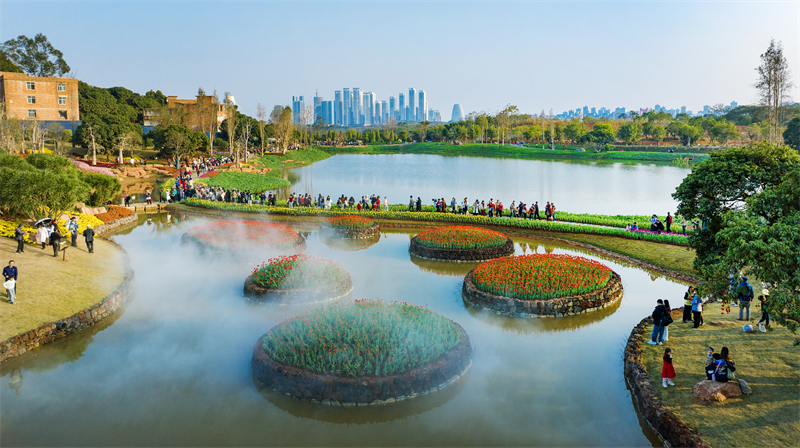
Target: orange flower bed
114,213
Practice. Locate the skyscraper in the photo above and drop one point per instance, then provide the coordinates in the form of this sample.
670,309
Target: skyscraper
411,113
393,108
347,106
358,105
457,115
422,107
402,111
337,108
384,112
317,107
298,105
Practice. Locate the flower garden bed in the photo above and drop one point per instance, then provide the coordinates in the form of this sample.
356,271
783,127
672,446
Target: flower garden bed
298,279
238,235
368,352
541,286
461,243
351,227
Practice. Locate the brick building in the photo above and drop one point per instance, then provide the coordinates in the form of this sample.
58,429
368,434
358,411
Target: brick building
193,109
37,98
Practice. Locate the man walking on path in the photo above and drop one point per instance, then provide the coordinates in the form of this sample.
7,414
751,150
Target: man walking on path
88,234
55,240
10,276
73,231
19,235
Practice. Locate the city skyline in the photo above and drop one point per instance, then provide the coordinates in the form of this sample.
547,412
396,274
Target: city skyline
623,54
359,108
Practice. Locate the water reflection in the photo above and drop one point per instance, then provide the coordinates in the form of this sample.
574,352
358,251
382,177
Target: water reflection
362,415
349,244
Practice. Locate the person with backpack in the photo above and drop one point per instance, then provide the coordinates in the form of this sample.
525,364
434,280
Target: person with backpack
697,309
658,328
723,367
764,322
745,295
666,320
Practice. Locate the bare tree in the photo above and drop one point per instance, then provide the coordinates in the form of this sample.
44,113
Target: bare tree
773,85
207,106
246,128
542,117
391,127
231,126
283,126
10,130
307,118
261,113
55,133
94,145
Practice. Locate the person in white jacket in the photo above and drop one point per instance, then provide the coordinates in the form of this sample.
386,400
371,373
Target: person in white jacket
42,235
385,204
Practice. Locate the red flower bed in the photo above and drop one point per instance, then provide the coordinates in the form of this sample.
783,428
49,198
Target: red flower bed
297,272
461,237
243,235
114,213
540,276
350,222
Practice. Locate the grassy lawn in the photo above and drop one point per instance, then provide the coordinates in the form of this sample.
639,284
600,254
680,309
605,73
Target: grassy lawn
509,151
766,361
49,290
293,159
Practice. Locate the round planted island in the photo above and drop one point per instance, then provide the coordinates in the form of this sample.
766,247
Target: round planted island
367,352
243,235
542,285
351,227
298,279
461,243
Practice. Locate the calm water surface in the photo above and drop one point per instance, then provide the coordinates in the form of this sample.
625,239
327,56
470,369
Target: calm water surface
173,367
574,186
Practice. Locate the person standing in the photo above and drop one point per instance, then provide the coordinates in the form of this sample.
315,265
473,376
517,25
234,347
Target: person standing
669,222
536,210
745,292
41,235
10,281
668,371
697,309
666,320
764,322
658,329
73,230
148,197
411,203
55,241
687,307
88,235
19,235
683,224
386,203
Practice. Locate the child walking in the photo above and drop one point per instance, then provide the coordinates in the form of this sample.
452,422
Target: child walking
668,371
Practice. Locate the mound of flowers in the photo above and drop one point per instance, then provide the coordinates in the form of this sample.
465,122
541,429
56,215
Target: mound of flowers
287,277
461,243
114,213
349,226
559,284
396,350
233,235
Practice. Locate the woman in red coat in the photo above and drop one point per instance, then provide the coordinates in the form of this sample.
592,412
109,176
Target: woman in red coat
668,371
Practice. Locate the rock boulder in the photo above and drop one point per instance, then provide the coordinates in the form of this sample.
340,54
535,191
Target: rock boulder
708,390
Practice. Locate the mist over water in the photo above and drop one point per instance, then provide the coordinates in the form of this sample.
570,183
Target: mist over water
174,367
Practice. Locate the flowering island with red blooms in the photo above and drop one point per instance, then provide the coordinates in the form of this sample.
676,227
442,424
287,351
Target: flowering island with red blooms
540,276
297,272
350,222
243,235
363,338
461,237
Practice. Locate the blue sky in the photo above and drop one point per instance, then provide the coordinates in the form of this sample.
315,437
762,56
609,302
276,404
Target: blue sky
483,55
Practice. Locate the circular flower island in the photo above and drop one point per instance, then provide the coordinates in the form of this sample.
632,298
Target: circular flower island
352,227
542,285
298,279
367,352
461,243
243,235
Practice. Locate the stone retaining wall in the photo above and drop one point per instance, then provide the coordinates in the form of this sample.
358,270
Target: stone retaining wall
563,306
672,430
305,296
362,233
106,230
363,391
20,344
463,255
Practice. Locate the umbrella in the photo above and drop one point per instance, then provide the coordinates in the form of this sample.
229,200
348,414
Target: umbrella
41,221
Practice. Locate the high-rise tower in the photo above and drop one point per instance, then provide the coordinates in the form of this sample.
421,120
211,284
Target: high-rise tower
457,115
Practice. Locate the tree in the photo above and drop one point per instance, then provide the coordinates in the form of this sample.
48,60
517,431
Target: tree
207,114
483,122
764,241
422,129
723,184
283,126
573,131
6,65
36,56
103,188
630,132
261,113
658,133
688,133
791,136
231,123
723,131
773,86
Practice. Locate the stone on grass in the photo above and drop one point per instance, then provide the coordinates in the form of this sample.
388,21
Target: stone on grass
708,390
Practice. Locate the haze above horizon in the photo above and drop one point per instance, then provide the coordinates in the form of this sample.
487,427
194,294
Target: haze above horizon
535,55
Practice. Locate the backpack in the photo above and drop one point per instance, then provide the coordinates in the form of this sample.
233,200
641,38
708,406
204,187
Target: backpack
666,319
